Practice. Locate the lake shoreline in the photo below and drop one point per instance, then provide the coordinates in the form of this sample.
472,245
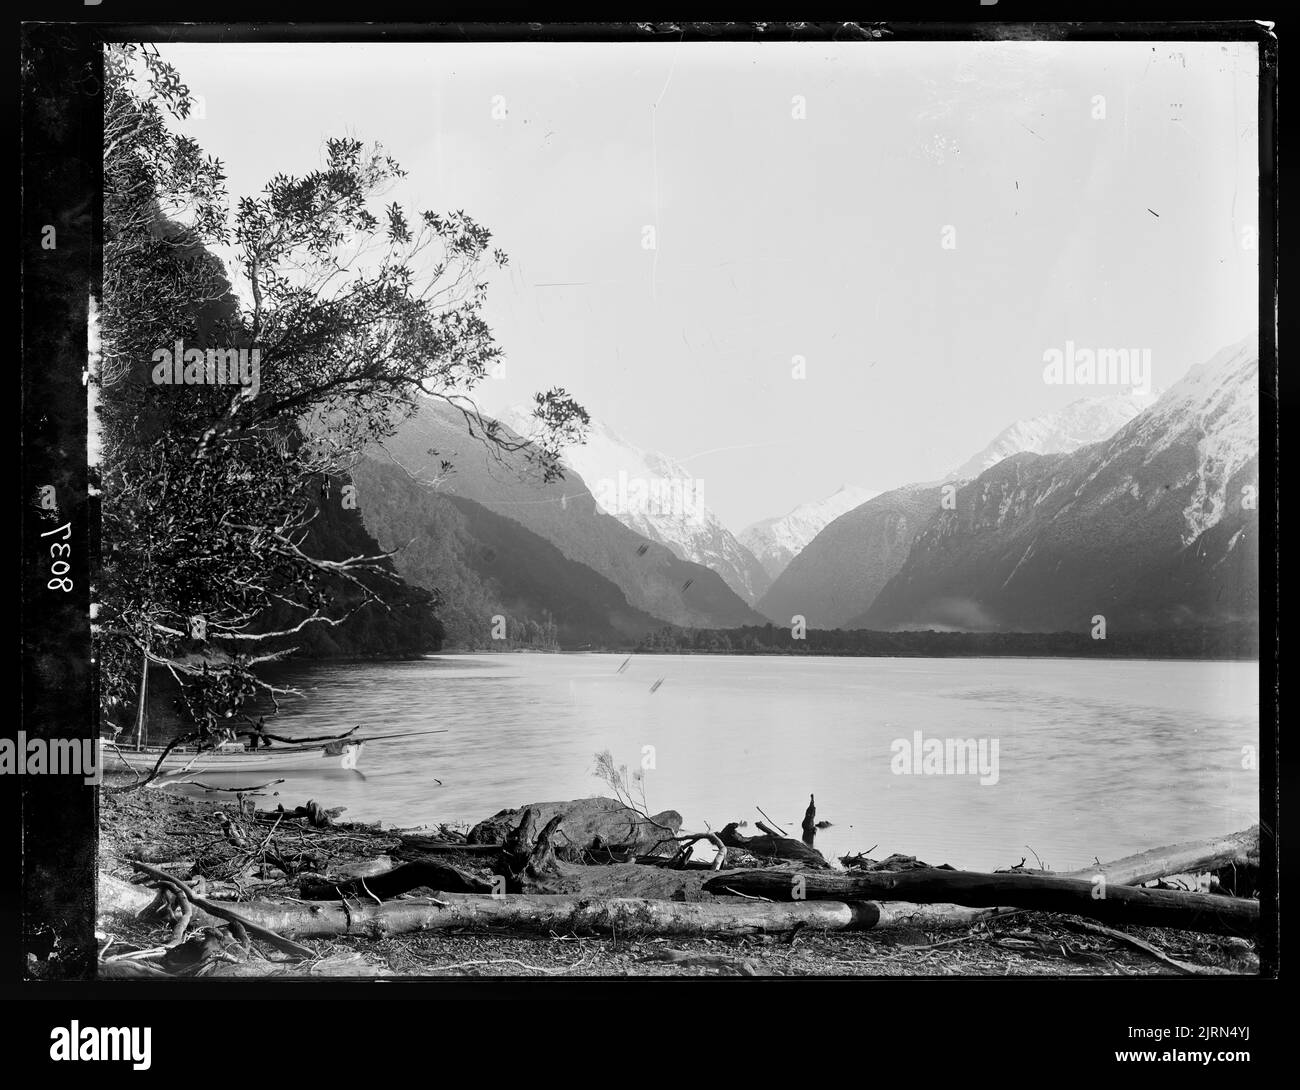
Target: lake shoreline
527,726
176,834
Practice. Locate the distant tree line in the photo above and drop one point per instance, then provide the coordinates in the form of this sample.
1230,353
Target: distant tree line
1230,641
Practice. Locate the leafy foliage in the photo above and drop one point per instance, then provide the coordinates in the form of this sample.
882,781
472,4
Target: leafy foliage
212,494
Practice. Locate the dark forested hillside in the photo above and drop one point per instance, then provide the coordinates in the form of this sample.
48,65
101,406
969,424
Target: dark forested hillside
485,566
651,577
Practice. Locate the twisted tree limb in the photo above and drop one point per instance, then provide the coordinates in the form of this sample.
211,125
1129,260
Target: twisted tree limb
222,913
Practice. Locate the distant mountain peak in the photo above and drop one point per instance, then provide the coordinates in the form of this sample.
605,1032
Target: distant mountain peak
778,540
1156,527
655,495
1080,423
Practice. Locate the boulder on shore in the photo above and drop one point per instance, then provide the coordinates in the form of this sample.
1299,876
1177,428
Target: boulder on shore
586,821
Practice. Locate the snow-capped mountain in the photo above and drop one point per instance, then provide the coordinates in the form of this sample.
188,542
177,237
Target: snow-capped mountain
1217,406
841,570
1149,525
652,578
659,498
778,540
1088,420
1154,527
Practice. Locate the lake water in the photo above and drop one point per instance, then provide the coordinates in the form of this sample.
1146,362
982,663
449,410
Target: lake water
1094,758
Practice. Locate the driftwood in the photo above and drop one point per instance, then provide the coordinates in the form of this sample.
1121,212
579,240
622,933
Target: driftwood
529,855
392,883
563,914
777,830
1123,904
773,847
682,856
224,914
1196,857
414,846
540,912
541,863
810,822
519,841
315,814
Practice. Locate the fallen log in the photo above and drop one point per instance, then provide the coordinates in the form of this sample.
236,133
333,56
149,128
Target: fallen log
579,915
1046,893
427,845
316,814
1195,857
540,912
773,847
392,883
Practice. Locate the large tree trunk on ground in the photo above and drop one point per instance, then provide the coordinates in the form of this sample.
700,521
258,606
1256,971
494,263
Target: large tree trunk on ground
1197,857
537,912
1046,893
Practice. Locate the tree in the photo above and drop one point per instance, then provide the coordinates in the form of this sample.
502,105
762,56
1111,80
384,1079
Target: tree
347,314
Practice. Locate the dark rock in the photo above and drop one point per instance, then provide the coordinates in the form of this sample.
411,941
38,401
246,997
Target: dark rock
586,821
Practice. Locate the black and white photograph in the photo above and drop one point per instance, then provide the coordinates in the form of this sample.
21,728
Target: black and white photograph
775,505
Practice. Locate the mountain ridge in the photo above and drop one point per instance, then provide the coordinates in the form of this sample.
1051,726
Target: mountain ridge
777,540
658,498
563,512
1080,423
841,577
1152,527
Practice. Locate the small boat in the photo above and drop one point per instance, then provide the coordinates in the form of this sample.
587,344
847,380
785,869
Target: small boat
232,757
305,755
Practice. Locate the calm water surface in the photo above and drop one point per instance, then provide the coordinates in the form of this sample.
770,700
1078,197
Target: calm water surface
1096,759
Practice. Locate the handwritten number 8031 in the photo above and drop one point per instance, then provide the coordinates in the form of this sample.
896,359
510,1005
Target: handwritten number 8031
60,568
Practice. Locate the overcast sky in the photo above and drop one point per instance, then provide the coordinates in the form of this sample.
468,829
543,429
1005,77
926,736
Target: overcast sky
779,236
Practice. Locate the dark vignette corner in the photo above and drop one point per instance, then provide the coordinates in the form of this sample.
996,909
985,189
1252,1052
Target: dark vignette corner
62,123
